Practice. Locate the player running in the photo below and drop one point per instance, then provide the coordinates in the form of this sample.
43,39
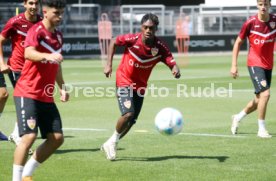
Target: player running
33,93
16,29
142,52
261,32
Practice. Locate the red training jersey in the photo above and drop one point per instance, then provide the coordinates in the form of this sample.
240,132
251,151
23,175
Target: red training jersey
37,78
16,29
139,59
261,36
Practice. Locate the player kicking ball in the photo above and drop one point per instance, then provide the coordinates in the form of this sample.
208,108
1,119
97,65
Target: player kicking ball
261,32
142,52
35,105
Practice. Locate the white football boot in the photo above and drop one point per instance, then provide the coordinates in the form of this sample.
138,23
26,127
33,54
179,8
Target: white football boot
110,150
264,134
235,125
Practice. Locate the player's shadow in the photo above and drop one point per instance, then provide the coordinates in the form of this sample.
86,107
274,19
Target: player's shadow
76,150
80,150
162,158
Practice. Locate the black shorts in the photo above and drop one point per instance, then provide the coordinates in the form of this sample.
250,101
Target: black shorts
2,80
32,114
261,78
129,101
14,76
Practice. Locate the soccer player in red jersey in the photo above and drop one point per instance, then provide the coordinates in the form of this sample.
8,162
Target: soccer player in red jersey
16,29
142,52
261,32
33,93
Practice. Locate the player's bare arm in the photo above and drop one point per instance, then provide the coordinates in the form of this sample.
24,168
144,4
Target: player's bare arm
236,49
108,66
3,66
64,95
176,72
33,55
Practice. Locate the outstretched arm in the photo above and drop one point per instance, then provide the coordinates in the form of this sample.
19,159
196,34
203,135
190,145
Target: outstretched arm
236,49
111,51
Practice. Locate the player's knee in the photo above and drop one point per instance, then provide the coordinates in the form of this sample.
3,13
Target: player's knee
129,116
28,139
56,139
3,94
59,139
265,94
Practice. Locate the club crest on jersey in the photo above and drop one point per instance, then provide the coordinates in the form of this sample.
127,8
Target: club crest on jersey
263,83
154,51
31,123
272,24
59,39
127,104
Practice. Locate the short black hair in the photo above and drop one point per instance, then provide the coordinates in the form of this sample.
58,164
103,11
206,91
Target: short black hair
152,17
59,4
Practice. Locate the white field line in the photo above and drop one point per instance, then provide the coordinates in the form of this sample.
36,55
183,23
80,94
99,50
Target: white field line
83,129
146,131
212,135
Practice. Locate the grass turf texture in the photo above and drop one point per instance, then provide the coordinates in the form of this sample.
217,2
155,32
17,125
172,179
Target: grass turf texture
147,155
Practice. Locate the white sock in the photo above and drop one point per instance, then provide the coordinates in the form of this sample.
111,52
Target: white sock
261,124
240,116
115,137
30,167
17,173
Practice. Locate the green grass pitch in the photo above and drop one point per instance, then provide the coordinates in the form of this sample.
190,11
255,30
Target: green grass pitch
205,149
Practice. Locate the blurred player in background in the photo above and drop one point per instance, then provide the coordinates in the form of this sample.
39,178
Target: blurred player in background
16,29
142,52
33,93
261,32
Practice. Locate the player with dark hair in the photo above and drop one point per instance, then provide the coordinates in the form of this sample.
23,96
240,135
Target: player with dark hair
16,30
34,102
142,52
261,32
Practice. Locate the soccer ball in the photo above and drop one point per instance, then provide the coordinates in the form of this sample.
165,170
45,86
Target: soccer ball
169,121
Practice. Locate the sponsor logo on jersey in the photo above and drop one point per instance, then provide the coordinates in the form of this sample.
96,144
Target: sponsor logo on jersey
258,41
272,24
136,46
154,51
127,104
31,123
257,26
24,26
263,83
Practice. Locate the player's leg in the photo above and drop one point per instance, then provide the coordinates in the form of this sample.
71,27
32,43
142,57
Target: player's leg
14,136
51,129
126,105
27,115
138,103
3,99
264,95
253,104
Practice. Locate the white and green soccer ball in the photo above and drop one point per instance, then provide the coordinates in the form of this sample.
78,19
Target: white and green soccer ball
169,121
